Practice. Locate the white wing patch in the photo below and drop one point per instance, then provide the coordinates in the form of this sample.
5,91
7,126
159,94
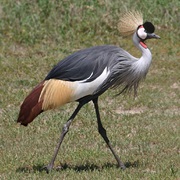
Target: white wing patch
86,78
81,88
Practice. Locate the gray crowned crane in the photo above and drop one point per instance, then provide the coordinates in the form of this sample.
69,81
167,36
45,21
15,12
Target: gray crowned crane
86,74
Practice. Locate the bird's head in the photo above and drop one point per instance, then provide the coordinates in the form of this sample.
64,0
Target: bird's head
146,31
132,22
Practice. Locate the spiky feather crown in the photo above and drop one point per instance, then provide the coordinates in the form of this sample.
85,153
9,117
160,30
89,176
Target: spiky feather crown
129,22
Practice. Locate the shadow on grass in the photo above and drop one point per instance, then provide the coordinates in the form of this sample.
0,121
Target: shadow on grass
77,168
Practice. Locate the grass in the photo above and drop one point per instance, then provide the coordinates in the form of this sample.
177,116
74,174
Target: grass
34,36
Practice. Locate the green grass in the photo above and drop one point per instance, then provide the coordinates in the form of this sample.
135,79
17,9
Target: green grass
34,36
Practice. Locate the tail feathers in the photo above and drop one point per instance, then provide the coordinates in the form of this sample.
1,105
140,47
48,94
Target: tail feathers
31,107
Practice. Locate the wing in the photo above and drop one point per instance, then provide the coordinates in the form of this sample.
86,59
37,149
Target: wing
84,65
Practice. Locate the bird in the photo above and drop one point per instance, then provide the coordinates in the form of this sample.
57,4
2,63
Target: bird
86,74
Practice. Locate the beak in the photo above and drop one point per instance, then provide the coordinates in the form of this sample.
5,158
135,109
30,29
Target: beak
153,35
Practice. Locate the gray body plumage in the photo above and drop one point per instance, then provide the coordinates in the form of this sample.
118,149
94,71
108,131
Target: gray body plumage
125,71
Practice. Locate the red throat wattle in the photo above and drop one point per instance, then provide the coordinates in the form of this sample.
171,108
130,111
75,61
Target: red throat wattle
143,44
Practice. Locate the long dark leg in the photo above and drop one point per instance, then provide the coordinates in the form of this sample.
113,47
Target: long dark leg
102,131
64,131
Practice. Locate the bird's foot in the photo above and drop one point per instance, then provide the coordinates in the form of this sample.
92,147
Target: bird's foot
122,166
48,168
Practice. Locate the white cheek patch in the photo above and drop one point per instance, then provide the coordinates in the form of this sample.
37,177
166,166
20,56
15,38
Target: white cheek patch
141,33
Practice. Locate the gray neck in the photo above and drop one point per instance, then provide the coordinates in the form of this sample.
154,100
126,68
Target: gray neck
146,53
144,61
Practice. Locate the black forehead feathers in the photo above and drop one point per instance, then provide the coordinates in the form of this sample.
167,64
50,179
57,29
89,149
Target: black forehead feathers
149,27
